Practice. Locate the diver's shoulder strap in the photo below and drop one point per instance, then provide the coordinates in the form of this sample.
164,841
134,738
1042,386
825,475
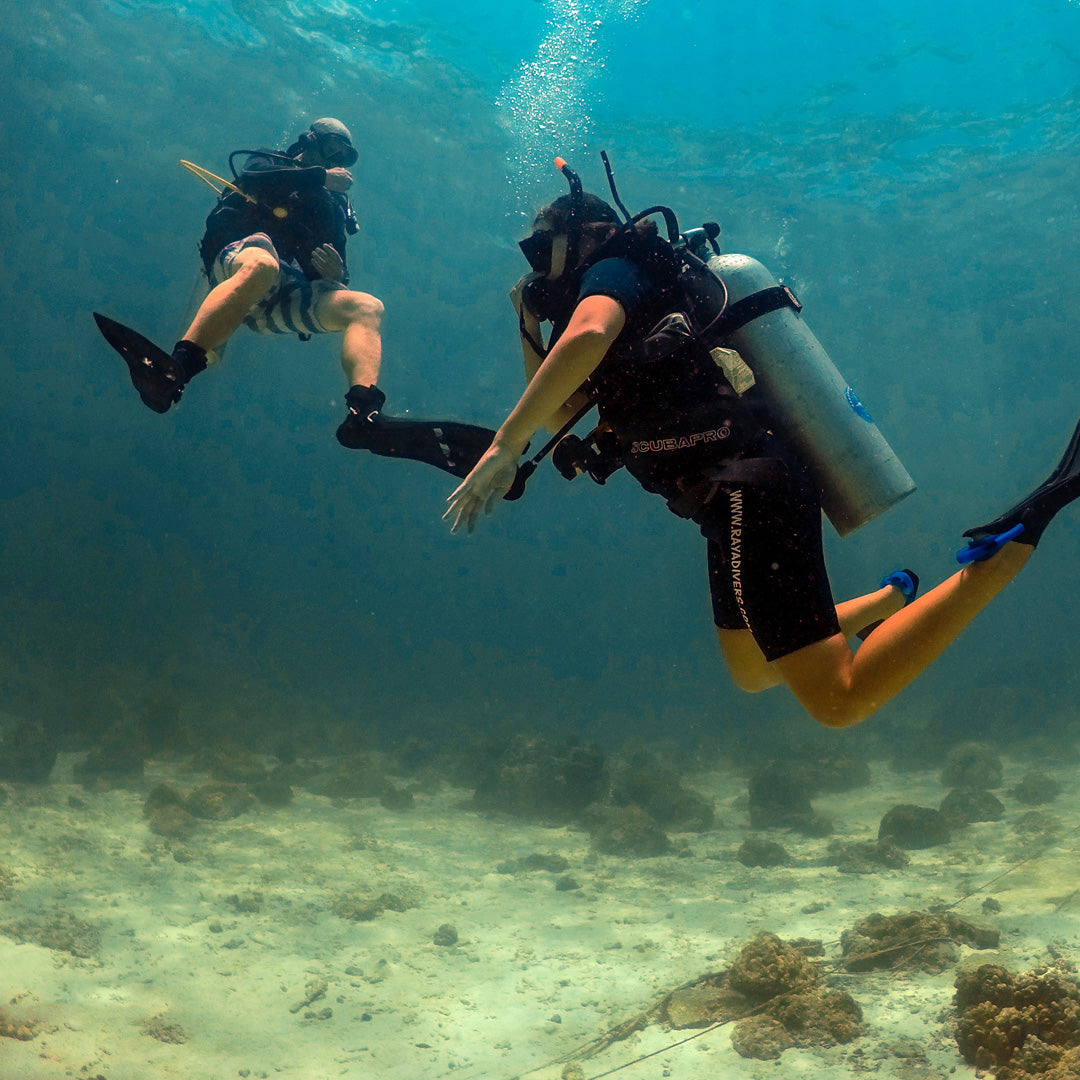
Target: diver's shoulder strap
752,307
676,330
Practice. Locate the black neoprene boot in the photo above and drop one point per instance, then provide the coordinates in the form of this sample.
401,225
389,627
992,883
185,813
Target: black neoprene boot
190,357
158,377
160,383
360,428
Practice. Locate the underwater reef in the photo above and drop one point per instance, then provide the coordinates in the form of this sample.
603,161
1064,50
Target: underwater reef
1021,1026
773,993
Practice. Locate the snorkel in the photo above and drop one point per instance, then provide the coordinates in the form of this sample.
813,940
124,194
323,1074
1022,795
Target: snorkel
574,220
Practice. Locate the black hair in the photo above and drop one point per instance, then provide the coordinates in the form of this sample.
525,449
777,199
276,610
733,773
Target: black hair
593,210
598,218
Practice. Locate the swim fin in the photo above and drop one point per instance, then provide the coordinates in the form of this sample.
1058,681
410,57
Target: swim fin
156,375
455,448
1026,521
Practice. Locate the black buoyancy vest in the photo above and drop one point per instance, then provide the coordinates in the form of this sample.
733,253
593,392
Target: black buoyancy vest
292,207
666,399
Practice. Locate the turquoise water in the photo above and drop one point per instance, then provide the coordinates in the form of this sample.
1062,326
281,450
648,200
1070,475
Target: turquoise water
911,172
226,581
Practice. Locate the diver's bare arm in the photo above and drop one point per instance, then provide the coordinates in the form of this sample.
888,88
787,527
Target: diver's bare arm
561,416
595,324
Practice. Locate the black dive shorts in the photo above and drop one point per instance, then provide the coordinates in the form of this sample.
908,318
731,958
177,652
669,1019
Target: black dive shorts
766,564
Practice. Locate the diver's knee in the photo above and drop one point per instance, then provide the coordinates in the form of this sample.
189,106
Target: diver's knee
837,715
752,682
257,270
746,664
358,307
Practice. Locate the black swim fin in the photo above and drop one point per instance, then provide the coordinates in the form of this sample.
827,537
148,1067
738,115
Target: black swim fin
455,448
156,375
1026,521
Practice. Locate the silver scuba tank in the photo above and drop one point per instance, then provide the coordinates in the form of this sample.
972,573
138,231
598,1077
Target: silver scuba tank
815,409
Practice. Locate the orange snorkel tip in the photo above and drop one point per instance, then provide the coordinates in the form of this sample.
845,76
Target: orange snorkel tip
572,178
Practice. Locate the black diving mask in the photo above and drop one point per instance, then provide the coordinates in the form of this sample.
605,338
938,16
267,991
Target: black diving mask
336,152
537,250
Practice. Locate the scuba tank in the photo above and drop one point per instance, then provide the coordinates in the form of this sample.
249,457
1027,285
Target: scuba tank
856,470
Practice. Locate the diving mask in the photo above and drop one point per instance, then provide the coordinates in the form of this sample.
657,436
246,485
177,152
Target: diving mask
336,152
537,250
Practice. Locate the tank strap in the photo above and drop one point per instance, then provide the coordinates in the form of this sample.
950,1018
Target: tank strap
753,307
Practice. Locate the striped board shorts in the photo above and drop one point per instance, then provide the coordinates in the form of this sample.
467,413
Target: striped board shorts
289,305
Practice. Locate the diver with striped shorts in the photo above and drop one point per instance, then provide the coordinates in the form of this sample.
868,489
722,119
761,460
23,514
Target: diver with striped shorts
274,254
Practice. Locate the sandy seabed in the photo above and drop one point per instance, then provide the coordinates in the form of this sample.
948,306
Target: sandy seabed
227,955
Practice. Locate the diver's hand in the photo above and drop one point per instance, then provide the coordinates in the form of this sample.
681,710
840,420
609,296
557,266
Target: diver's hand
327,263
517,293
481,491
339,180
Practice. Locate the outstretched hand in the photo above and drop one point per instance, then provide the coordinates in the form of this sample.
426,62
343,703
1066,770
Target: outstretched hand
327,263
481,491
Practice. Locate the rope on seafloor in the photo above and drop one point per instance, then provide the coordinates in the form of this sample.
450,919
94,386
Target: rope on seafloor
662,1050
627,1028
1015,866
624,1030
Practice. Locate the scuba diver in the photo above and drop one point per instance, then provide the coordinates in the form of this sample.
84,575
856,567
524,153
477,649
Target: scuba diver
274,254
677,423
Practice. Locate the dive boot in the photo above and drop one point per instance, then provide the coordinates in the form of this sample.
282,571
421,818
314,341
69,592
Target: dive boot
358,430
1027,520
907,581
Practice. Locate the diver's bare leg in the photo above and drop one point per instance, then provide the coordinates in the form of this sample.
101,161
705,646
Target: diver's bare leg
753,673
839,688
221,313
359,316
862,611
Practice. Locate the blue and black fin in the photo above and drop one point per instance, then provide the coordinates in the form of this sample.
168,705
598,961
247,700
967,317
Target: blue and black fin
1026,521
